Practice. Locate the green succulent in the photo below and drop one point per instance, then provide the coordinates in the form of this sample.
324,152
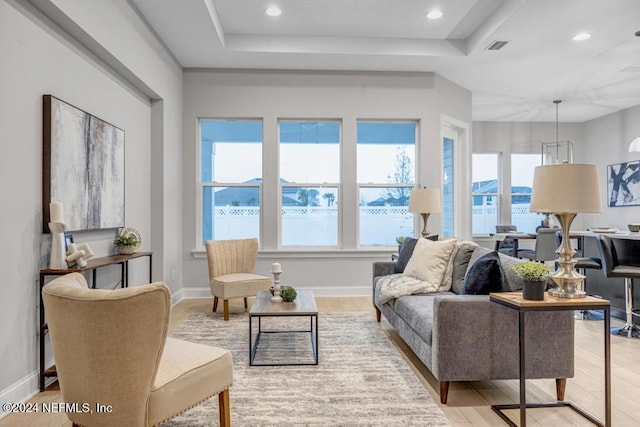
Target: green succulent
127,240
289,294
531,270
400,239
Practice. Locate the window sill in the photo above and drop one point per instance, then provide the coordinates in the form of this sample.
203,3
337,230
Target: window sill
305,254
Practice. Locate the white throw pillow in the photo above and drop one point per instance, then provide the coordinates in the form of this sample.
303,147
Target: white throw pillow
429,260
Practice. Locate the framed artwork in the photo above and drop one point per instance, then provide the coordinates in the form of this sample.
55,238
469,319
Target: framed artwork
68,239
82,167
623,184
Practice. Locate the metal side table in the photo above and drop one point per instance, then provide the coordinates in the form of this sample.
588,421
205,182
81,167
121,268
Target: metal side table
514,301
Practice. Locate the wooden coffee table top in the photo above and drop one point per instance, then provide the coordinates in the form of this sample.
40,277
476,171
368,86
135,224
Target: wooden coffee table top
304,304
515,300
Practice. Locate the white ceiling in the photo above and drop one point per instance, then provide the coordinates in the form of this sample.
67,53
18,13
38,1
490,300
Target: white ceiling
518,83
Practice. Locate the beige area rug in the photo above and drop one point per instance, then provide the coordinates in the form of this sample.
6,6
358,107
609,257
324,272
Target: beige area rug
361,378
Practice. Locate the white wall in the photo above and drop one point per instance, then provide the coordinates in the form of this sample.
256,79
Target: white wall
39,57
348,96
607,142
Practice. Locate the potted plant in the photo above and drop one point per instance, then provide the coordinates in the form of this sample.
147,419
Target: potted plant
535,276
289,294
400,240
127,241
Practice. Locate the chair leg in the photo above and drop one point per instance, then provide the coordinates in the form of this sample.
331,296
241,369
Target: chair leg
444,391
378,315
628,330
226,309
224,410
245,303
561,386
215,304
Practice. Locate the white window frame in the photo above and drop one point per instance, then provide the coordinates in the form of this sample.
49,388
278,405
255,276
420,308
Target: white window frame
337,185
201,185
360,185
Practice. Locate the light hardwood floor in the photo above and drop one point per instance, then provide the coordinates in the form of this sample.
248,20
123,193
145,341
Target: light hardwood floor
469,402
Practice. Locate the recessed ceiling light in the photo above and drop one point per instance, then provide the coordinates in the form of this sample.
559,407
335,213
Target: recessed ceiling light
273,11
581,36
434,14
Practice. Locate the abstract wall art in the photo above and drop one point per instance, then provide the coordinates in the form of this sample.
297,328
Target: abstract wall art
82,167
623,184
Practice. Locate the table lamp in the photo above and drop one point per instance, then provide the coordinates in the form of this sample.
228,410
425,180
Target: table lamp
564,191
425,201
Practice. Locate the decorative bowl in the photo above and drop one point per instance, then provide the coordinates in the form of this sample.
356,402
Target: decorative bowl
634,227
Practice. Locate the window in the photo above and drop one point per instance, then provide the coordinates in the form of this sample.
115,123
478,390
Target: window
484,193
385,175
230,178
522,167
309,179
448,206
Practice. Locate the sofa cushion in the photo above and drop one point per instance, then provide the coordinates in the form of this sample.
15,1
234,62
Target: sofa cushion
429,260
484,276
511,280
459,264
417,311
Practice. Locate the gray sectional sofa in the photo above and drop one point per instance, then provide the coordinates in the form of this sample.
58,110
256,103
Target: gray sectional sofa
461,337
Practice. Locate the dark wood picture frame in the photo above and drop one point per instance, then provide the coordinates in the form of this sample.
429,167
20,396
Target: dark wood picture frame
82,167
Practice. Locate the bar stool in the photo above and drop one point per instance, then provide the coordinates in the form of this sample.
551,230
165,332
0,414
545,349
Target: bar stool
583,263
612,268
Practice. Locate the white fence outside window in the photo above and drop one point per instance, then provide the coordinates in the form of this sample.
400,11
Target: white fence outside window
380,224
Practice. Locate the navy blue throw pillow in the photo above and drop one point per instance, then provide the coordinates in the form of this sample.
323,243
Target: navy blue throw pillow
406,250
485,275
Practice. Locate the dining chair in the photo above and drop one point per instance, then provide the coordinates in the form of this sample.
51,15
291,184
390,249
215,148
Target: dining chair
232,266
111,349
545,246
509,245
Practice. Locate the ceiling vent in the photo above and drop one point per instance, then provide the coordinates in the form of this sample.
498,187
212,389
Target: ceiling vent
497,45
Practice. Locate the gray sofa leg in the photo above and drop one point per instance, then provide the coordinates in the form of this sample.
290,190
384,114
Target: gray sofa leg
444,391
378,315
561,385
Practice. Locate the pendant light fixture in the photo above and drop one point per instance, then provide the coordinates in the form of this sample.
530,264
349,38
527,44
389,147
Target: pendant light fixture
554,153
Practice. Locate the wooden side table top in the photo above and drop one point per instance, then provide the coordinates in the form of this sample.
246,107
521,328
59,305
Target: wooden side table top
304,304
515,300
94,263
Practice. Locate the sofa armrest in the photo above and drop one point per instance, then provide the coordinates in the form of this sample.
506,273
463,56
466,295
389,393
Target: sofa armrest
383,268
475,339
380,268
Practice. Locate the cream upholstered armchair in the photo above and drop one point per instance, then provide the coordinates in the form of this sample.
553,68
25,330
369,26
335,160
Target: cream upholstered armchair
111,348
231,271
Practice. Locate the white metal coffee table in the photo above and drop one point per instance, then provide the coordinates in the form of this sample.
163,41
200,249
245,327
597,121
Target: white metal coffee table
303,306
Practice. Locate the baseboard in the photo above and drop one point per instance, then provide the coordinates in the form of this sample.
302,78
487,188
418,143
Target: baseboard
19,392
178,296
201,292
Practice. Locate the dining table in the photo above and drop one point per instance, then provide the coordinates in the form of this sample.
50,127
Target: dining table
516,236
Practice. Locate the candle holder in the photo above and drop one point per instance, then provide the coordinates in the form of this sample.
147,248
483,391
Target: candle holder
276,287
57,258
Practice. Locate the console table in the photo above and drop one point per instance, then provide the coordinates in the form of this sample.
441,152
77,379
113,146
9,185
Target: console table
92,265
514,301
